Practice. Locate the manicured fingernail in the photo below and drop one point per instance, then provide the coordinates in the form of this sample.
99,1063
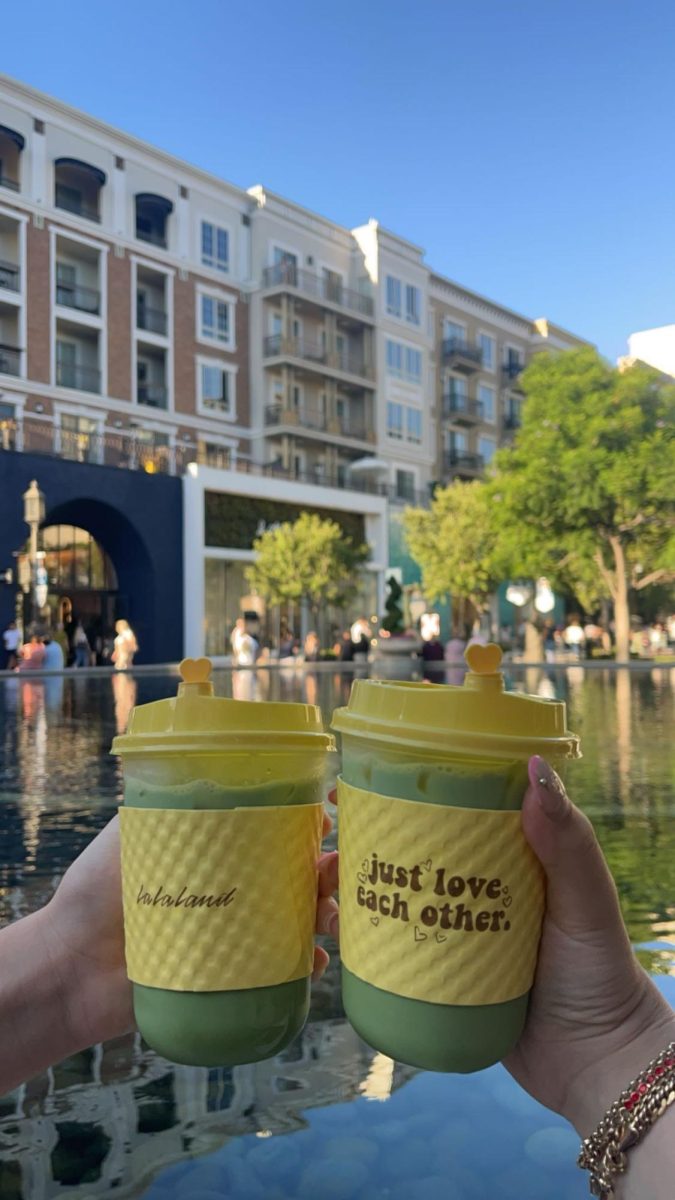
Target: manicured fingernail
334,925
549,787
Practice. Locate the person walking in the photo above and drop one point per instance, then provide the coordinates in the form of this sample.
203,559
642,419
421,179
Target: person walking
81,646
11,640
126,646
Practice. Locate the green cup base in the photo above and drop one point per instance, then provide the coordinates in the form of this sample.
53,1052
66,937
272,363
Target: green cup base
435,1037
221,1029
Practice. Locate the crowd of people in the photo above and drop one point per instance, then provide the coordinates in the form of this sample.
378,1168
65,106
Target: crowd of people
70,646
247,647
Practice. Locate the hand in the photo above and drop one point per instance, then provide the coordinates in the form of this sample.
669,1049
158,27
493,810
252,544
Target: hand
595,1018
84,933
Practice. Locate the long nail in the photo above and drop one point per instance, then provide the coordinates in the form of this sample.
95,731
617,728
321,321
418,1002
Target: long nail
549,787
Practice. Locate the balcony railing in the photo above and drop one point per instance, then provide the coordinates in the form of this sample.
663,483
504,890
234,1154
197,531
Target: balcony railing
6,182
512,421
130,452
152,319
80,208
459,354
85,299
317,287
347,361
154,236
315,420
512,368
463,410
9,276
460,461
154,395
74,375
10,360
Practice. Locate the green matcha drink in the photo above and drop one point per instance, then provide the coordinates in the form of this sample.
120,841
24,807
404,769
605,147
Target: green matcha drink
434,903
219,870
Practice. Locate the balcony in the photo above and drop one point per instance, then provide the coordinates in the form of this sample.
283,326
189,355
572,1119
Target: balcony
9,277
77,187
10,360
349,362
511,371
460,356
512,421
151,319
75,375
84,299
154,395
315,287
462,410
304,420
460,462
6,182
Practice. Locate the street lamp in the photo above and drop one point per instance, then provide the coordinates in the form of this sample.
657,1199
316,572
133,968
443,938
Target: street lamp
34,515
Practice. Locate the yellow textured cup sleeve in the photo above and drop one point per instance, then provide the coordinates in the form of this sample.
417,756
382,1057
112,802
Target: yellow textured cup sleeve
219,900
437,903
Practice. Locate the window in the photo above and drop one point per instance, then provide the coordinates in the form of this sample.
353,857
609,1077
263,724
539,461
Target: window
7,427
405,362
78,438
215,247
405,485
216,320
393,296
486,398
214,455
458,390
453,332
486,448
216,389
513,358
286,266
487,347
413,304
414,425
457,443
395,420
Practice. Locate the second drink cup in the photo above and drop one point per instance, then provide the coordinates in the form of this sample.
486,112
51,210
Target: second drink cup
441,898
221,833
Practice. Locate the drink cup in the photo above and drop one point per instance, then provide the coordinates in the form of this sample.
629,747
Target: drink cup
441,898
221,832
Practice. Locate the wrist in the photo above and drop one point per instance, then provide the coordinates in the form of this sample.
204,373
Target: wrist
618,1058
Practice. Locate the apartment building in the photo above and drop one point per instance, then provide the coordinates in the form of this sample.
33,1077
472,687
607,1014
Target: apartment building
258,357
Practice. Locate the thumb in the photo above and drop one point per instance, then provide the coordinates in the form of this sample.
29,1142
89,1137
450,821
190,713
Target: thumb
581,897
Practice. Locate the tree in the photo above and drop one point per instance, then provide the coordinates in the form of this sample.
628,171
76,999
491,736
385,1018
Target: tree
585,495
393,622
307,559
454,543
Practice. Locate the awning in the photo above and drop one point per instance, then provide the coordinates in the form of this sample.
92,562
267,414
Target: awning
159,203
98,174
370,463
18,138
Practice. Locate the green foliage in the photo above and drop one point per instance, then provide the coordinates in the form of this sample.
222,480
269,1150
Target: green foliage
393,622
586,491
455,543
307,559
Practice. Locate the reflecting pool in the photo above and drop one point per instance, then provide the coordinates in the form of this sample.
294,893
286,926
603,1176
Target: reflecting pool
329,1119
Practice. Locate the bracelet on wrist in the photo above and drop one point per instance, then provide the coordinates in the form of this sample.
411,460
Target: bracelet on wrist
605,1153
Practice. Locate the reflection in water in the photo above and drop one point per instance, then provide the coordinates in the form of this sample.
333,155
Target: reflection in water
328,1116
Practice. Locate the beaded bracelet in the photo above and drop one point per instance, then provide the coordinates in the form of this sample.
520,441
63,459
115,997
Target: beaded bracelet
603,1154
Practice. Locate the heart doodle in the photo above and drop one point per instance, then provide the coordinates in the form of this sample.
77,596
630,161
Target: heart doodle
440,937
419,936
361,877
364,865
507,901
374,920
426,866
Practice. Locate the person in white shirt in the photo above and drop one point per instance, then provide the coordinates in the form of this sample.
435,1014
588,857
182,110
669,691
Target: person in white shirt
11,640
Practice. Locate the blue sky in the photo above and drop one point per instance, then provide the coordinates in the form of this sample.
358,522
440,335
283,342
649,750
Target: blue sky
527,146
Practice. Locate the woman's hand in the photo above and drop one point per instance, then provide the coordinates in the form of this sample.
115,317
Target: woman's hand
64,965
595,1018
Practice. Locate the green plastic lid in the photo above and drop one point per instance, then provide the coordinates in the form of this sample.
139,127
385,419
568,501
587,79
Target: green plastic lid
196,720
480,719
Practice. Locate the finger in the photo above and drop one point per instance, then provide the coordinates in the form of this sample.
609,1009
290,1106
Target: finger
581,895
333,796
327,916
327,825
328,873
321,961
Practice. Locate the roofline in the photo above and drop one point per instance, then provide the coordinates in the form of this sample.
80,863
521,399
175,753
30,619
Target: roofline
471,295
33,95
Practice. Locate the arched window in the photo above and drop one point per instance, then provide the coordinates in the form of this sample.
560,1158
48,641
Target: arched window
152,214
11,145
77,187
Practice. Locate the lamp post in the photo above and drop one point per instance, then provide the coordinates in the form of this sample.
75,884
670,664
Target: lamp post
34,515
